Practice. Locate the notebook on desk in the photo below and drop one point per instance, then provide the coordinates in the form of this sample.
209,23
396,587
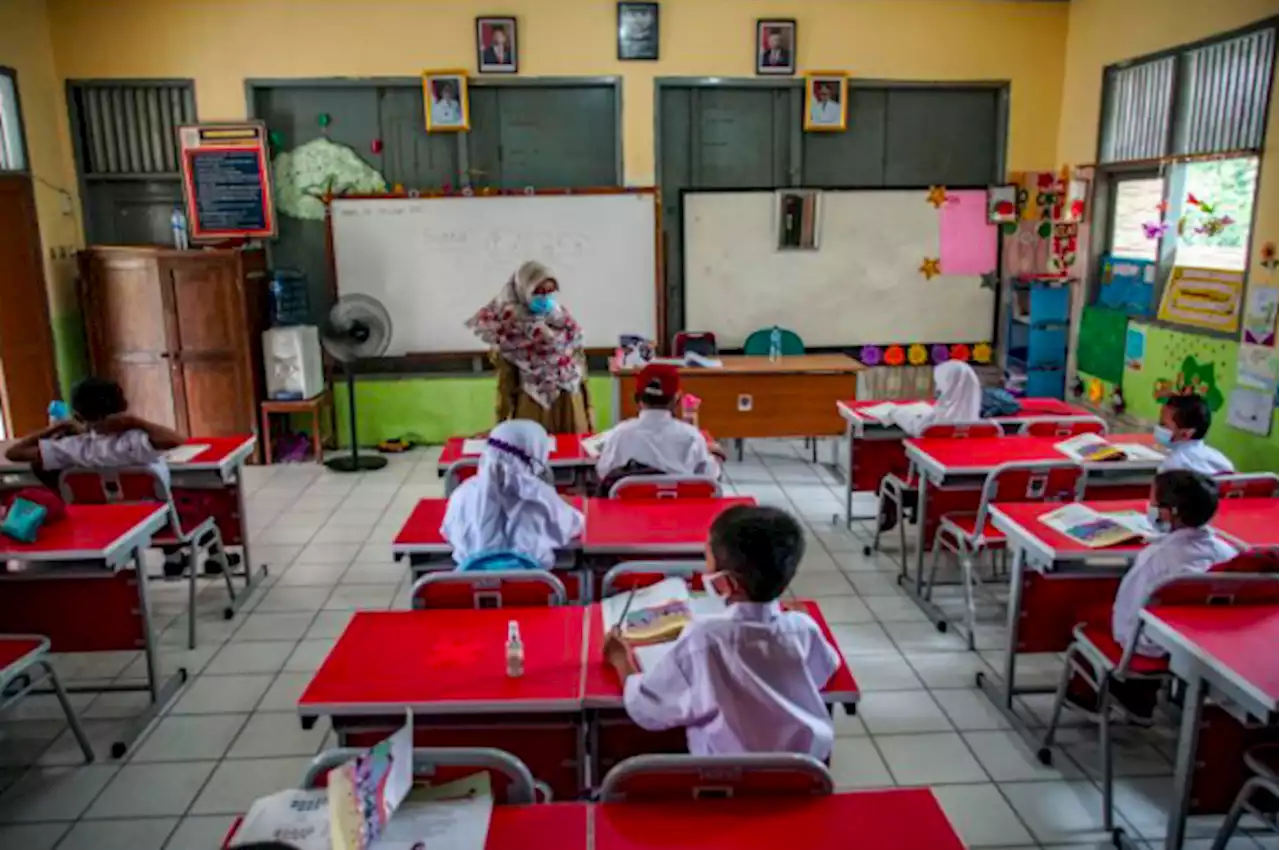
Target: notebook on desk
1094,448
1095,529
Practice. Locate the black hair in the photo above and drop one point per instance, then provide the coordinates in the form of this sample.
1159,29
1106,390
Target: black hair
760,546
1191,411
94,399
497,28
1193,495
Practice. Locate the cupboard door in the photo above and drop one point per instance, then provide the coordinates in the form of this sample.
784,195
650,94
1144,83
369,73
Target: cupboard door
215,389
127,332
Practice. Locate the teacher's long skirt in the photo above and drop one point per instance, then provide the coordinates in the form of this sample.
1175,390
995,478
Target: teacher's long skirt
567,414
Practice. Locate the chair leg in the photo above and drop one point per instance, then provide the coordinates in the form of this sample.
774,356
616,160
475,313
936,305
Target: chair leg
741,446
813,445
220,553
971,607
1104,746
1059,702
875,540
927,590
1237,810
73,720
193,568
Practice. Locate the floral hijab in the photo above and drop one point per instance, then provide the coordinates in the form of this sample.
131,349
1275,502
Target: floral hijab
547,350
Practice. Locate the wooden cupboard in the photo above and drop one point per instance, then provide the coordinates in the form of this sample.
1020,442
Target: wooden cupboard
181,331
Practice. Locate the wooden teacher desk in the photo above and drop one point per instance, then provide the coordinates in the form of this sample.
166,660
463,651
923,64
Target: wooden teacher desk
752,397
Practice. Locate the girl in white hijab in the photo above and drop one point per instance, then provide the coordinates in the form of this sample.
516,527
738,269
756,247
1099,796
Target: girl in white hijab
507,506
958,398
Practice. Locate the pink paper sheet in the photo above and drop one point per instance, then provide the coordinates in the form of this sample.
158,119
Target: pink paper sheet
967,241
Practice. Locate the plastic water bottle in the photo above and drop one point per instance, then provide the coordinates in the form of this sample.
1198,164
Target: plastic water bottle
178,223
515,650
58,411
775,343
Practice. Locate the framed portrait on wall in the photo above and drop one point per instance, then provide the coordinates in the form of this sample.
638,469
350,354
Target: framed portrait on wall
826,101
776,46
444,95
637,31
1002,204
496,51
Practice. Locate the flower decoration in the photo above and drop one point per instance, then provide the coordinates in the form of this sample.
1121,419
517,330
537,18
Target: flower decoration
982,353
894,356
960,352
1095,391
871,355
939,353
1267,255
917,355
1153,230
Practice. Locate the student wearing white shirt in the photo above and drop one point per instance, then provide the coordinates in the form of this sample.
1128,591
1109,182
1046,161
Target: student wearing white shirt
750,680
655,441
1184,421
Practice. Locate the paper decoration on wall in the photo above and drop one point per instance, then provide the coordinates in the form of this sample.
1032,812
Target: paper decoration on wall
1193,378
894,356
1002,204
920,354
1135,347
1127,285
1155,230
1100,350
375,146
871,355
917,355
1257,367
1267,256
318,169
1204,217
1260,311
937,195
1203,298
982,353
960,352
1117,400
929,268
1095,391
1071,195
990,280
1250,410
967,240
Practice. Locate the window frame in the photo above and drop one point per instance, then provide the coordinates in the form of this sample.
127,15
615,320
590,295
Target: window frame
20,129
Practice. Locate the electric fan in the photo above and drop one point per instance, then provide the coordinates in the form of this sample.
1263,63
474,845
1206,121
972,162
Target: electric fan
358,327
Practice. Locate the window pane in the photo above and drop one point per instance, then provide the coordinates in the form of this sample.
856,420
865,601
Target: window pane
1137,203
12,157
1217,213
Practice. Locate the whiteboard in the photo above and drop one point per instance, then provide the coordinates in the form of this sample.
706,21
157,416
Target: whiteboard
861,286
434,261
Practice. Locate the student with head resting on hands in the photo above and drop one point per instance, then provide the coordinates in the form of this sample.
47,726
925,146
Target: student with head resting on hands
656,442
1184,421
508,506
957,398
749,681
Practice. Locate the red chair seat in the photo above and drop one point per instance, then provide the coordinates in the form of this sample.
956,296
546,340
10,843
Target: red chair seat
15,649
967,524
1101,639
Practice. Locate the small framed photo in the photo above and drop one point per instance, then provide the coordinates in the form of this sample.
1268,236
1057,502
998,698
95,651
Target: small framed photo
1002,204
826,101
637,31
776,46
797,221
444,96
496,51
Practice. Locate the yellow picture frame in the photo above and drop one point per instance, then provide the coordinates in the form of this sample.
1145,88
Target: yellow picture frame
435,107
818,117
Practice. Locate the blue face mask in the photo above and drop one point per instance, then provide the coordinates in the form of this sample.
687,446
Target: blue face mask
1164,436
541,305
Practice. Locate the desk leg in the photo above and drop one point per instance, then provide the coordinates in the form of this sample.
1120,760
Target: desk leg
252,575
848,488
922,517
1188,738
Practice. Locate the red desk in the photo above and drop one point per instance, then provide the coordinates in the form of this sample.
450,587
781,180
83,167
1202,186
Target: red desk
1250,524
667,527
78,586
900,819
450,668
567,454
420,539
1230,651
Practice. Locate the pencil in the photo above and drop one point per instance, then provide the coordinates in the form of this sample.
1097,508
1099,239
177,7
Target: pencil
626,609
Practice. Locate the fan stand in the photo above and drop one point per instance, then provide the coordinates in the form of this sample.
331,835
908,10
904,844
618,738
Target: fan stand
356,462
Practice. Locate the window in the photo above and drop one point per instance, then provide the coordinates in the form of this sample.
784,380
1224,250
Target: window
12,156
1215,233
1135,206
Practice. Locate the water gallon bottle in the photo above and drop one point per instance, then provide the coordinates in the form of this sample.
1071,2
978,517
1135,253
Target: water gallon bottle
178,223
58,411
775,343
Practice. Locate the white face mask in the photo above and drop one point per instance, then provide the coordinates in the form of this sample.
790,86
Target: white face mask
709,582
1153,517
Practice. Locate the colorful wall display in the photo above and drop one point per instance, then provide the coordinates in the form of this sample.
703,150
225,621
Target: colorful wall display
1203,298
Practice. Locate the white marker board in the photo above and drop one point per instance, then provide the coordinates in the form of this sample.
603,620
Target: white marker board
434,261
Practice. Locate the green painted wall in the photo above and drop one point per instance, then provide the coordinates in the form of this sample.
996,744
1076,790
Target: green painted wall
434,409
70,352
1167,350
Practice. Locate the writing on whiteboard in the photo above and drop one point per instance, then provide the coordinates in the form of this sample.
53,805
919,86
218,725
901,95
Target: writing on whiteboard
548,246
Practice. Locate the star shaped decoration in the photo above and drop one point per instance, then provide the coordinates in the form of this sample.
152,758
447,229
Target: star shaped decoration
937,196
930,267
990,280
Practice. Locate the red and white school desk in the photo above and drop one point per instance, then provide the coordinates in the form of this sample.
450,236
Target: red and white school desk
614,737
897,819
449,667
1252,525
883,443
1229,651
78,584
209,484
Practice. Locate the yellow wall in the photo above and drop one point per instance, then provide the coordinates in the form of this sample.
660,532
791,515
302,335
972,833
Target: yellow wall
219,43
1101,32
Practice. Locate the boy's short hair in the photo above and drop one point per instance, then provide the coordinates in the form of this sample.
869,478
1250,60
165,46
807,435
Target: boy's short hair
94,399
1191,411
760,546
1193,495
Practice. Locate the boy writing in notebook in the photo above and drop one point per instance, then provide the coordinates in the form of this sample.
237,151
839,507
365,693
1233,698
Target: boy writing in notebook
748,681
1184,421
656,442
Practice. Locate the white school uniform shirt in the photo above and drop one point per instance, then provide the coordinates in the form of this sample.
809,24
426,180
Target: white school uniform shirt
1196,456
658,440
103,451
1184,552
746,681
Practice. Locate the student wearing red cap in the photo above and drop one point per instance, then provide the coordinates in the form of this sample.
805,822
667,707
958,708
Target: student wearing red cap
656,441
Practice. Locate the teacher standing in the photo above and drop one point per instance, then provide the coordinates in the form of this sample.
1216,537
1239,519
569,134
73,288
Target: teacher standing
537,353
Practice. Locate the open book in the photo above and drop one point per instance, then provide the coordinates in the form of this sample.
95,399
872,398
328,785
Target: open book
650,618
895,413
1095,529
1095,448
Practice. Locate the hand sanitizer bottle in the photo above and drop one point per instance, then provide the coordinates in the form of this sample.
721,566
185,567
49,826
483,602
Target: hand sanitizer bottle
515,650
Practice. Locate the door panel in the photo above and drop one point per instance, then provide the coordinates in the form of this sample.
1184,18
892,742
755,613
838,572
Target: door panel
212,388
28,375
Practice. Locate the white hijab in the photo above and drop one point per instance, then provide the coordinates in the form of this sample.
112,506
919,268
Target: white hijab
959,398
507,506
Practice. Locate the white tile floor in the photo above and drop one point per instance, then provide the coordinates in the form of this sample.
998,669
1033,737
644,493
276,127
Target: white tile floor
231,734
